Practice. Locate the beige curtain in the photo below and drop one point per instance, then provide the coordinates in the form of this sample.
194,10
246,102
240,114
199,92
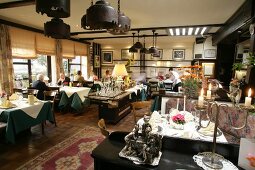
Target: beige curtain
6,64
68,49
22,43
80,49
59,58
45,45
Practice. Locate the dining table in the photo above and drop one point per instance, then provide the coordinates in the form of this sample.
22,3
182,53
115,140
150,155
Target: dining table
21,115
73,97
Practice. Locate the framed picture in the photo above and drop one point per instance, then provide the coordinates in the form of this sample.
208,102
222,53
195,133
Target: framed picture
210,53
178,54
97,61
198,56
125,54
208,69
159,55
107,57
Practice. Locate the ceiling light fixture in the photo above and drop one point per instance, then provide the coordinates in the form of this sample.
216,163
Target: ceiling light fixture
190,31
183,31
177,31
197,29
203,30
124,23
153,49
138,45
171,31
100,16
56,28
133,49
144,50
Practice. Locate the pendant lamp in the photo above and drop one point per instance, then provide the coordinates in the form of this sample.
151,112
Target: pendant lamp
156,54
100,16
153,49
123,25
133,49
144,50
138,45
53,8
56,28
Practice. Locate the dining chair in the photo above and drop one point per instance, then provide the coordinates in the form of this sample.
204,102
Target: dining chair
32,91
102,127
50,96
16,90
75,83
141,108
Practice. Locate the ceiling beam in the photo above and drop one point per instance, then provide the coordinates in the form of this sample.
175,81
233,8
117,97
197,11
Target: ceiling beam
150,28
16,4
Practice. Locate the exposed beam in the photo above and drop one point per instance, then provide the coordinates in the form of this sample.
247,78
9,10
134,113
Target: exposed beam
239,19
150,28
13,24
16,4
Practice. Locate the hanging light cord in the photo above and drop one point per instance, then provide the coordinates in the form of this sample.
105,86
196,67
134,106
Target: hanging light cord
156,39
144,40
138,34
91,2
153,38
119,13
133,38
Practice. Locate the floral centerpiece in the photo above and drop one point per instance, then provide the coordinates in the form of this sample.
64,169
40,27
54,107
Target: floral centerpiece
192,80
178,119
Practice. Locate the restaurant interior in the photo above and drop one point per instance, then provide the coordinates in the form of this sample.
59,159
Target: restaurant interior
111,84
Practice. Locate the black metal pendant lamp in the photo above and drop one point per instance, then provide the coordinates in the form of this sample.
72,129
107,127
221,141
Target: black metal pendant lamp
133,49
123,25
55,28
144,50
153,49
138,45
100,16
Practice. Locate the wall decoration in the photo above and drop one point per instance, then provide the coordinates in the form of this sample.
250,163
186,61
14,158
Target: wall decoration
107,57
178,54
97,61
198,56
154,56
210,53
125,54
208,69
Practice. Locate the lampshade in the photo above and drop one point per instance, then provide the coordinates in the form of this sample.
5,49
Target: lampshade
153,50
53,8
132,50
119,70
138,45
123,25
101,16
56,28
144,50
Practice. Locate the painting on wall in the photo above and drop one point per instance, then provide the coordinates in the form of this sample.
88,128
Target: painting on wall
210,53
208,69
107,57
178,54
97,61
125,54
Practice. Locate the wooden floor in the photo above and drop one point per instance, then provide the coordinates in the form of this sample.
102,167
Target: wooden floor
29,145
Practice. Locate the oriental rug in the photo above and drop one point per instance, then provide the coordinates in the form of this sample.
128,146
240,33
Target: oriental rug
71,154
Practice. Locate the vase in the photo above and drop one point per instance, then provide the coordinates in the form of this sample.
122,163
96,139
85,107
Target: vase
178,126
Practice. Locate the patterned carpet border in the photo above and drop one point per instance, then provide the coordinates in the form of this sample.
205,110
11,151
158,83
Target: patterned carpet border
87,132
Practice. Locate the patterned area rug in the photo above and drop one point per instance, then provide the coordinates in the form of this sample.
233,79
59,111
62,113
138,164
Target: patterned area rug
71,154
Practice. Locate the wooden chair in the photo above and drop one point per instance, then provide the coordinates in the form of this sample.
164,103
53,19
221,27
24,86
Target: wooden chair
33,91
102,127
141,108
50,96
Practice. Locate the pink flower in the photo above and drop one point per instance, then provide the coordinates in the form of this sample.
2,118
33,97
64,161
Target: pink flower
179,119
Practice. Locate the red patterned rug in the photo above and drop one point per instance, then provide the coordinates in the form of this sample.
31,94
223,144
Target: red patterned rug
71,154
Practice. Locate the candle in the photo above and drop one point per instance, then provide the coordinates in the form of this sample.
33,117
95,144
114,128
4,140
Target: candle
201,98
177,105
184,101
248,99
209,92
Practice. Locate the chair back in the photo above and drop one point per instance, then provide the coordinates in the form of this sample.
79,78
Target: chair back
32,91
75,83
16,90
102,127
50,95
141,108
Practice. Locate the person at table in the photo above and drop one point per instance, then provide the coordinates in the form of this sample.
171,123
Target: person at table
93,76
79,77
175,78
63,80
107,76
40,85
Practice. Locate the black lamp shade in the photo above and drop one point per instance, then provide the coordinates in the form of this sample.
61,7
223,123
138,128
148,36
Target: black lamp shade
153,50
133,50
123,26
56,28
101,16
53,8
138,45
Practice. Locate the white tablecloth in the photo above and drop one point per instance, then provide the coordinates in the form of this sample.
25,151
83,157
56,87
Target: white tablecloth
162,126
81,91
136,88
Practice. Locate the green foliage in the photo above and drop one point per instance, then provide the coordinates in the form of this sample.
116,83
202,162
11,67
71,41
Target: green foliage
191,87
237,66
251,60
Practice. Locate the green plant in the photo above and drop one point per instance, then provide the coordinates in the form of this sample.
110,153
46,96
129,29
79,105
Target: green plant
191,87
250,62
237,66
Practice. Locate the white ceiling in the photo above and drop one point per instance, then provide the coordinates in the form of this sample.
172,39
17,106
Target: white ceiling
143,13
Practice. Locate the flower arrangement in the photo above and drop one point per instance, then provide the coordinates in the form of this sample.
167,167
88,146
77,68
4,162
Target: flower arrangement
178,119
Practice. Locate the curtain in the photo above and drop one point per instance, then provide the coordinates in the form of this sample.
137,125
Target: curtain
68,49
22,43
80,49
6,64
45,45
59,58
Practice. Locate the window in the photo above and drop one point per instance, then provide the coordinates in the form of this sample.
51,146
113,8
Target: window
39,66
21,73
71,66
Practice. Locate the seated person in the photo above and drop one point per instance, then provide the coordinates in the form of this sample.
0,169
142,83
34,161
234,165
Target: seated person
107,76
160,76
63,80
93,77
79,78
174,77
40,85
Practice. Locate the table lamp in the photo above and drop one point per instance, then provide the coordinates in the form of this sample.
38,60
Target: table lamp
119,70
